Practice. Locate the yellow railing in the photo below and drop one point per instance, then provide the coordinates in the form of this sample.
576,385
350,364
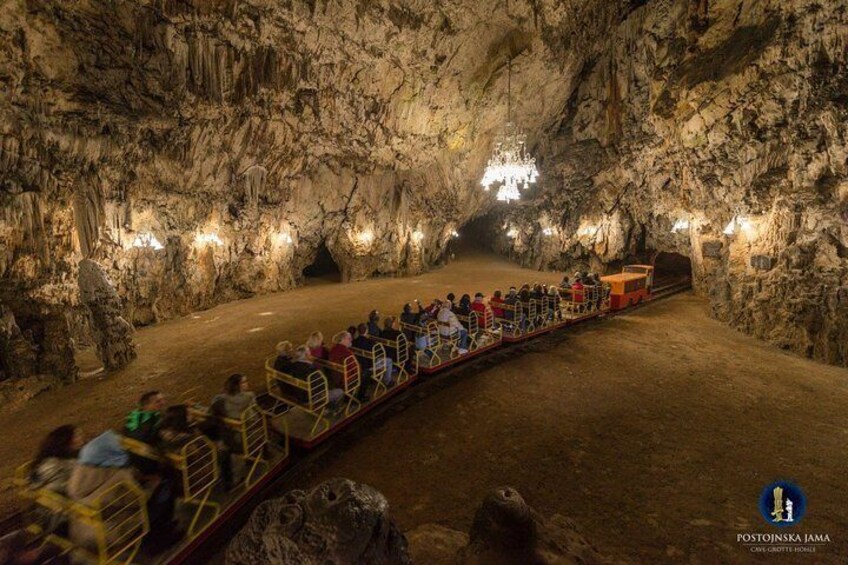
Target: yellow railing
115,521
376,357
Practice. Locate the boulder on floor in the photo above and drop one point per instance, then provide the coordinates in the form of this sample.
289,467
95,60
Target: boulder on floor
505,531
337,522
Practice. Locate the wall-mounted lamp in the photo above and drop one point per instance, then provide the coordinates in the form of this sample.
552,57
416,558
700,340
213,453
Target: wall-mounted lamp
548,231
512,233
146,239
680,226
588,230
417,235
208,239
365,237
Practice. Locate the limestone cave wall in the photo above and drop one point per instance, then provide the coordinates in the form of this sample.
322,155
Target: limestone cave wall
199,151
706,111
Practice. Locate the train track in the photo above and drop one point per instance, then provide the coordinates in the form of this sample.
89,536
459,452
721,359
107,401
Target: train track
210,549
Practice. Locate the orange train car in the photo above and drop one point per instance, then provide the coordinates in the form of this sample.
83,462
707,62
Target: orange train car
629,287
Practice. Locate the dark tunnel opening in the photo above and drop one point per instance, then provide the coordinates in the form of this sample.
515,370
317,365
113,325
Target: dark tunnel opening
672,266
323,267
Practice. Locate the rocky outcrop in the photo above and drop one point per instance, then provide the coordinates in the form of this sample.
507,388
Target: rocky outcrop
505,531
707,112
112,334
337,522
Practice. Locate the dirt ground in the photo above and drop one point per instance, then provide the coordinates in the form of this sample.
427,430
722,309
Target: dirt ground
656,430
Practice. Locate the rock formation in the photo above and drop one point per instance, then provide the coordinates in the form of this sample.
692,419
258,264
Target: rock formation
505,531
726,114
337,522
113,334
201,151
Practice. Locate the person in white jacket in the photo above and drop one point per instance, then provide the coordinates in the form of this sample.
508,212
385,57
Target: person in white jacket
449,325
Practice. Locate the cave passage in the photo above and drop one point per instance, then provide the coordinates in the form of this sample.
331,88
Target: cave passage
672,266
323,268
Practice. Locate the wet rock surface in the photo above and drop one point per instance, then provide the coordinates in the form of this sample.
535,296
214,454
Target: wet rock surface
337,522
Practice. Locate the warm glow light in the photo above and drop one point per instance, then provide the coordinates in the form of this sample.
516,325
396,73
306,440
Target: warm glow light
454,233
145,239
588,230
512,233
548,231
680,226
283,238
208,239
365,237
417,235
730,228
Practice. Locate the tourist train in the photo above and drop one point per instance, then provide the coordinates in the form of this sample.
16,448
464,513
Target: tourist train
302,408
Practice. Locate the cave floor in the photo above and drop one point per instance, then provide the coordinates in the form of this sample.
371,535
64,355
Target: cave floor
655,430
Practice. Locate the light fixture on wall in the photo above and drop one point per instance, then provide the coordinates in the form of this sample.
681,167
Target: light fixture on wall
454,234
365,237
510,164
680,226
548,231
147,240
208,239
588,230
417,235
512,233
283,238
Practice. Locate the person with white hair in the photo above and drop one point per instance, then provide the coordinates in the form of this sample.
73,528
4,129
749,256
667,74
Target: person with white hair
449,326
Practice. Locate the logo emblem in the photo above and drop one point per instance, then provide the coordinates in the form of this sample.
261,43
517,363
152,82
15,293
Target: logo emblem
783,504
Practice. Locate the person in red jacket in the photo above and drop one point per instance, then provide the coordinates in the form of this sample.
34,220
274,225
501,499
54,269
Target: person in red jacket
340,354
495,303
481,311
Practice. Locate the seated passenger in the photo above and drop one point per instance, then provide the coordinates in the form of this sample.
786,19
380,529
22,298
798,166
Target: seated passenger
56,458
565,282
433,308
352,331
524,294
374,323
103,463
480,310
235,399
339,354
577,290
495,303
342,343
419,319
302,366
464,307
537,292
142,424
176,430
390,331
51,469
284,357
451,300
449,326
315,343
554,302
362,342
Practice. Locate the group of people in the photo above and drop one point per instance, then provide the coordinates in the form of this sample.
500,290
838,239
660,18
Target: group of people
84,471
354,345
584,287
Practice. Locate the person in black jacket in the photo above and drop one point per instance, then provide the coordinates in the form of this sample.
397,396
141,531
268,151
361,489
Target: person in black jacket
374,323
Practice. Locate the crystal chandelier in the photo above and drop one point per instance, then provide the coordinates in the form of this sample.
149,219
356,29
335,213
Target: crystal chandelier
510,164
